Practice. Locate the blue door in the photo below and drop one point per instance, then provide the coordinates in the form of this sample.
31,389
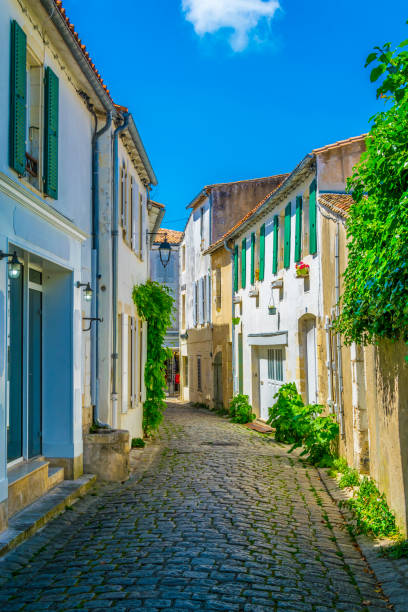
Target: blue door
15,370
35,373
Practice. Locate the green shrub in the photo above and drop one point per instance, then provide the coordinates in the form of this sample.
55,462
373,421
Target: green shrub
240,409
288,415
138,443
301,425
396,551
372,512
350,478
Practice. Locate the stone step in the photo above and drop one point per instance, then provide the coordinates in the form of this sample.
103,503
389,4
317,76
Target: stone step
26,482
55,476
26,522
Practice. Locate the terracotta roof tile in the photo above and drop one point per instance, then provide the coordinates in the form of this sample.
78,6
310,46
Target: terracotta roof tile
82,47
339,143
337,202
173,236
262,178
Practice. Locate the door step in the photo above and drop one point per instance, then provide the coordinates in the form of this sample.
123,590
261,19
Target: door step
55,476
26,522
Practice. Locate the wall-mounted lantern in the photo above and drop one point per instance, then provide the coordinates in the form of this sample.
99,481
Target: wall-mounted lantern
87,291
14,266
164,249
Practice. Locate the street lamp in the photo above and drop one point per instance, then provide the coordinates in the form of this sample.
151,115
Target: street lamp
14,266
165,251
87,291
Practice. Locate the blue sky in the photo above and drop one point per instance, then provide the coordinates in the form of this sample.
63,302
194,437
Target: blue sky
225,90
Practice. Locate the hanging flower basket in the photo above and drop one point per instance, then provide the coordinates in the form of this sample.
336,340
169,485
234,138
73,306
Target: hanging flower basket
302,270
272,310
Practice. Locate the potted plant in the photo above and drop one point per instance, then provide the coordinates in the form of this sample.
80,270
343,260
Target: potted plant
272,309
302,270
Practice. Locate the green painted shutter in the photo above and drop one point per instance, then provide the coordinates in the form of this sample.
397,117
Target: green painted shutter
18,98
275,244
243,263
51,134
252,258
286,252
312,218
298,237
262,253
236,268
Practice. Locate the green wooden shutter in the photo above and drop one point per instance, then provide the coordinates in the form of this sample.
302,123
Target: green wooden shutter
243,263
298,236
286,252
236,268
51,134
312,218
18,98
240,365
262,253
275,244
252,258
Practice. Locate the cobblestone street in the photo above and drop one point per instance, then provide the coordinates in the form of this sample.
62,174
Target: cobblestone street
221,519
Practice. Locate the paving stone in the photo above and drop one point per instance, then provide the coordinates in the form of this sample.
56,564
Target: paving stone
221,518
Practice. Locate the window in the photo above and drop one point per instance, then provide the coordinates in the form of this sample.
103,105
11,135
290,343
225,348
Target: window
198,373
141,226
202,223
298,233
185,371
183,311
183,257
123,181
195,311
218,295
281,239
204,299
34,116
275,364
305,228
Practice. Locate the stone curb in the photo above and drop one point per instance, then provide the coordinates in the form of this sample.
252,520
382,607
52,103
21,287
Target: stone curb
27,522
391,574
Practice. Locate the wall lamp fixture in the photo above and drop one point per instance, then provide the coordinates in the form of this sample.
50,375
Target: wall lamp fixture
14,266
164,249
87,291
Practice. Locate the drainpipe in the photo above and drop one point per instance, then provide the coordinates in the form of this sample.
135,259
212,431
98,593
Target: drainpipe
338,338
95,268
115,244
329,365
231,252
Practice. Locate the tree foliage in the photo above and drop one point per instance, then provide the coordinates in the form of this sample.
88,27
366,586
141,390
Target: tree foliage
374,303
154,305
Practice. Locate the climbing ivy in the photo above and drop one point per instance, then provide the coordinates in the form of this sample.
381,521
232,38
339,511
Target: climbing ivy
374,302
155,306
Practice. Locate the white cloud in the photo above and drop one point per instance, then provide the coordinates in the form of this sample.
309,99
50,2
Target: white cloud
242,16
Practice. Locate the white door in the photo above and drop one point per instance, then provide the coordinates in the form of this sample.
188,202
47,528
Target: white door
270,377
310,345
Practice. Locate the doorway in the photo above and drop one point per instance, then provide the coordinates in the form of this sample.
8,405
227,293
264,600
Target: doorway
310,359
34,363
271,369
218,399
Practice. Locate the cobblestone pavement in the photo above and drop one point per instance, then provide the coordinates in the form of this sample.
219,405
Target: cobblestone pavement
221,519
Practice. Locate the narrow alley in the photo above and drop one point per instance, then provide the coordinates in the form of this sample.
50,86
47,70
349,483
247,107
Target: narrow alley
221,519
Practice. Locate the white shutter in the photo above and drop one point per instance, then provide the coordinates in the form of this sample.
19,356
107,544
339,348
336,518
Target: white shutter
200,301
132,361
138,360
125,362
134,198
195,305
209,298
204,296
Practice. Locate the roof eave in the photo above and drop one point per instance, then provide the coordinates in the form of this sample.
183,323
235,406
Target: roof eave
66,34
134,133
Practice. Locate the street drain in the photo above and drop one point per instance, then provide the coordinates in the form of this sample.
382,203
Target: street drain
219,443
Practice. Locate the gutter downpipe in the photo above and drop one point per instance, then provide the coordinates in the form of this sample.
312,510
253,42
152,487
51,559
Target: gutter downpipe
115,244
234,383
338,338
95,270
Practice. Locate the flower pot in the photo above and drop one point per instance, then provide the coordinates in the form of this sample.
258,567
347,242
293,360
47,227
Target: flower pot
272,310
302,272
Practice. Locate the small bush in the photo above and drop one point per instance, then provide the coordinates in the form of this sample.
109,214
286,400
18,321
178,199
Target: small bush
396,551
138,443
240,409
301,425
372,512
350,478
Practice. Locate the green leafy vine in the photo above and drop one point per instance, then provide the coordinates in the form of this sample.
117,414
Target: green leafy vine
374,303
155,306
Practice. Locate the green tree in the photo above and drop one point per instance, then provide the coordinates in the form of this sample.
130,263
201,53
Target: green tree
374,304
154,305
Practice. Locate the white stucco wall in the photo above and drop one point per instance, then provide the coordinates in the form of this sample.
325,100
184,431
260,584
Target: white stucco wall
292,303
